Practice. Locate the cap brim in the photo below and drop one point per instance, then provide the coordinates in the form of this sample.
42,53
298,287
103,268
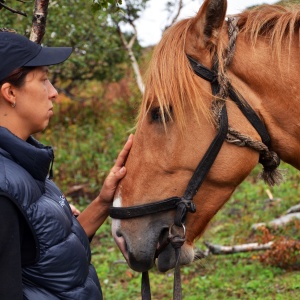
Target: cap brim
49,56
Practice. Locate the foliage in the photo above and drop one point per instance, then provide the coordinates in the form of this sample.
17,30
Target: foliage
87,137
130,11
98,53
102,4
285,253
288,2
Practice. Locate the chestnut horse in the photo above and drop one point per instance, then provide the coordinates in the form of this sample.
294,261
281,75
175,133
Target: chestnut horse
179,119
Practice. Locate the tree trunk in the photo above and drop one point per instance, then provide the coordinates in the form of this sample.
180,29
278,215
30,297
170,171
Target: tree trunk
135,66
39,21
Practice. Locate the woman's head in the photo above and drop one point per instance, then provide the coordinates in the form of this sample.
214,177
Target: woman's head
26,94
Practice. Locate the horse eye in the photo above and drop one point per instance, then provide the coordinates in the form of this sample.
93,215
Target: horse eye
157,116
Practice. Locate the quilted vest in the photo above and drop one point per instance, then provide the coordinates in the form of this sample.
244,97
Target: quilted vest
62,267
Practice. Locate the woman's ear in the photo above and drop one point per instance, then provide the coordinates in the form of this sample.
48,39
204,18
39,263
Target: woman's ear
8,93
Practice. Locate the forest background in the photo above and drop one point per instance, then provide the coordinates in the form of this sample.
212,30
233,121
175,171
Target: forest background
95,112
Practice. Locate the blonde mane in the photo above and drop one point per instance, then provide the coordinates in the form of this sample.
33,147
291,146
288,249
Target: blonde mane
278,24
170,81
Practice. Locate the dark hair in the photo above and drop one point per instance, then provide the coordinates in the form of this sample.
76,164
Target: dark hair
17,77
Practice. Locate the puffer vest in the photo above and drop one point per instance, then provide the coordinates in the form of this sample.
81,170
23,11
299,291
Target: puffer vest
62,268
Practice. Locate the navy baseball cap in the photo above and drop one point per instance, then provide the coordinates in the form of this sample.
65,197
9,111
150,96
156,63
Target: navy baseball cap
17,51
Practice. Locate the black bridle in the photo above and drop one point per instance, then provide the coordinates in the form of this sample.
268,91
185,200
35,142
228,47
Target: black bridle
185,203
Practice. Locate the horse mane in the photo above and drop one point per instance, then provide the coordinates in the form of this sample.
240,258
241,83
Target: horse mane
276,23
170,82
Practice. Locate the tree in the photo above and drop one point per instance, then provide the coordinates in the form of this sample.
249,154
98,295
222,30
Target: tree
130,12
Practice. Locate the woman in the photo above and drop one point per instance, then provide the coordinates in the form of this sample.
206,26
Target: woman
44,249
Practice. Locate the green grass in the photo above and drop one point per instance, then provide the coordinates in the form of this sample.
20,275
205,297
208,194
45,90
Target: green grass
87,138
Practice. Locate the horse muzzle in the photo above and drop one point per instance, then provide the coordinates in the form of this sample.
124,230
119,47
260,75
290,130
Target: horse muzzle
138,240
142,245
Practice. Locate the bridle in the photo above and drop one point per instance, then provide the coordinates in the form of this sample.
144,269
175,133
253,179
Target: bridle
185,204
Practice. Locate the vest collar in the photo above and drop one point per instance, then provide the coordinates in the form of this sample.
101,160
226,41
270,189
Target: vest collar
33,156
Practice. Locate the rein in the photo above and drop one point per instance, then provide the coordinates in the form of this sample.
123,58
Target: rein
185,204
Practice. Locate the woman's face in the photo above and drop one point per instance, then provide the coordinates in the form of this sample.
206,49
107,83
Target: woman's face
34,102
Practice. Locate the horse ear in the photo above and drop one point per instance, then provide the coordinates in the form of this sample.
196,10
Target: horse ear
209,20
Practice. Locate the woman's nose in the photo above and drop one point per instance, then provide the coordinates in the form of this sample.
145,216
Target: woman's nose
52,92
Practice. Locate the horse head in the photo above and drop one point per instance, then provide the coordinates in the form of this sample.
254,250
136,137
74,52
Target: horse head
178,121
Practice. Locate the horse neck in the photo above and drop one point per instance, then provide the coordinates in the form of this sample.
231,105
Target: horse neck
270,84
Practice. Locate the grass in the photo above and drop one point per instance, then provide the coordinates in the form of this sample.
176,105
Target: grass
87,138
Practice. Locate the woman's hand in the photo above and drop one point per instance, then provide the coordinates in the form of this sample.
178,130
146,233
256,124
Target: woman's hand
116,173
96,213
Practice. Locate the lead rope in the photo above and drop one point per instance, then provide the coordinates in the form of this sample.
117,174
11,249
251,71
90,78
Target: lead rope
146,290
177,290
269,159
177,241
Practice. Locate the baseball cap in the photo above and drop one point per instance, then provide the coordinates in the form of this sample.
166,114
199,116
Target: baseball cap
18,51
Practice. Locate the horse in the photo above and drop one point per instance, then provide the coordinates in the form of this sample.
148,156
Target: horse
226,83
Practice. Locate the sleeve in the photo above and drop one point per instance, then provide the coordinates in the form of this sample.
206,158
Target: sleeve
10,251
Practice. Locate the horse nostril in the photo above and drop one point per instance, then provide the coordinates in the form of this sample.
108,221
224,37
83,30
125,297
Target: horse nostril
120,241
118,233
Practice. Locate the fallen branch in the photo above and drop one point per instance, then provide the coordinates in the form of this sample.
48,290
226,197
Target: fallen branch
293,209
218,249
281,221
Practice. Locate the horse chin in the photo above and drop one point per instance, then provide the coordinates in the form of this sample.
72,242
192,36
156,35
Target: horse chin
166,259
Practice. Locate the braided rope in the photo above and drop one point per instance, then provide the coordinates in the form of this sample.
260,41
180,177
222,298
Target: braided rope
269,159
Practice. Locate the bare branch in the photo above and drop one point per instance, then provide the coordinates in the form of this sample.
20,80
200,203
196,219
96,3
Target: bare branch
174,19
133,39
2,5
134,63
